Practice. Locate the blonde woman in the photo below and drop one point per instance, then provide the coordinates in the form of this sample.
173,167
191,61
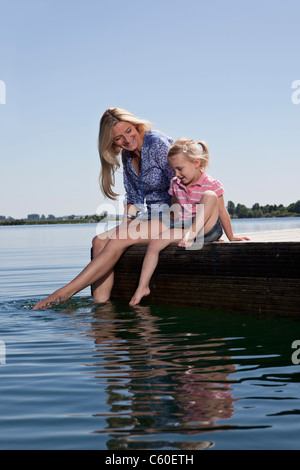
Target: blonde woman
146,175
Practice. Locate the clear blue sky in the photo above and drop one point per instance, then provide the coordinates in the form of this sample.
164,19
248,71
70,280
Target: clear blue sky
219,71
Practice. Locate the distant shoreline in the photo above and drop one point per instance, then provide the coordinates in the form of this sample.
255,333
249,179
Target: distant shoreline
53,222
16,222
235,211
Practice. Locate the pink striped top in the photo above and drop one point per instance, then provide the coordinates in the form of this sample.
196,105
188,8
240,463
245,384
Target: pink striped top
189,197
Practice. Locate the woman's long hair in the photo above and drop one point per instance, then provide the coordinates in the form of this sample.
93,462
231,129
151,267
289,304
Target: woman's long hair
109,151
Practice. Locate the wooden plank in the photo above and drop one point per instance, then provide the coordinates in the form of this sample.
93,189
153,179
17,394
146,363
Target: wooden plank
244,277
253,260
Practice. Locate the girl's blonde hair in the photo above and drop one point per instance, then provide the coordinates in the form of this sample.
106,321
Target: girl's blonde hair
191,150
109,151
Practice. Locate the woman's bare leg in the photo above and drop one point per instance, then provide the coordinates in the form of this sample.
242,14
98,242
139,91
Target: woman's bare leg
103,263
101,289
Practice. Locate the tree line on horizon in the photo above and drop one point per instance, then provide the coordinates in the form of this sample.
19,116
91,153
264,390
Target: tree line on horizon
36,219
240,211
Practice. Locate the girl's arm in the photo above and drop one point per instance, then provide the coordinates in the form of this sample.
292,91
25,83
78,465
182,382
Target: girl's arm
226,222
175,208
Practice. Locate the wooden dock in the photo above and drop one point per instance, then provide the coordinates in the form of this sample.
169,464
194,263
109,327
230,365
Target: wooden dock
259,276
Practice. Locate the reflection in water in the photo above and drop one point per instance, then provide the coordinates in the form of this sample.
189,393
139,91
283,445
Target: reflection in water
156,378
161,378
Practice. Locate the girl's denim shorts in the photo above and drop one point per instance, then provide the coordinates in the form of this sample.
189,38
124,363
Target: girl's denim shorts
164,216
212,236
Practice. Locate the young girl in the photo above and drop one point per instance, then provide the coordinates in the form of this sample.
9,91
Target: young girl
202,209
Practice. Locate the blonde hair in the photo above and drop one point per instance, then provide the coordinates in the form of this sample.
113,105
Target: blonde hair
109,151
191,150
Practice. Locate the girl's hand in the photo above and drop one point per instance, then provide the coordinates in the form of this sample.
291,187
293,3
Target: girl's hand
238,239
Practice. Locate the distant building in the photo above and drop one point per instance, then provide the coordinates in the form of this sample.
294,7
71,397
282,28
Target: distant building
33,217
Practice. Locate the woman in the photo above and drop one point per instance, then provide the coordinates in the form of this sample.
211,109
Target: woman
147,176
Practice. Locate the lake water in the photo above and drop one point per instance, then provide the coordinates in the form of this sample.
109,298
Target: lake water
112,377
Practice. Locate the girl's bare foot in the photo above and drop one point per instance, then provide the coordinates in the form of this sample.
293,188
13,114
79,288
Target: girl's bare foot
187,240
138,295
54,299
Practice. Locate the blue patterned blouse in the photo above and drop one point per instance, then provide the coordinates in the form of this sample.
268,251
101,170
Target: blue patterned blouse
153,182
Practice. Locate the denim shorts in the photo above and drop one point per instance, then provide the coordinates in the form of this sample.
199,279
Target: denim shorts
212,236
162,216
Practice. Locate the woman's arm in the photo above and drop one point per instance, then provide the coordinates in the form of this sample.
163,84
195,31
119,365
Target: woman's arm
131,195
226,222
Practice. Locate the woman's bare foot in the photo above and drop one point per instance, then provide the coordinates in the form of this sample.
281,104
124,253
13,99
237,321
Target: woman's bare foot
54,299
138,295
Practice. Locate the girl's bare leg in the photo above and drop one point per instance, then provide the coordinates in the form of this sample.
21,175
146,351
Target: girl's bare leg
210,209
151,260
103,263
208,215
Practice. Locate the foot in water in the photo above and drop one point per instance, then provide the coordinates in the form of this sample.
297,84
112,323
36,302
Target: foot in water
54,299
138,295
